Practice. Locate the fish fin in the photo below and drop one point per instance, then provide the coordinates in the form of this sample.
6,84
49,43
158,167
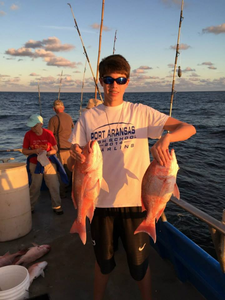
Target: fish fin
147,227
35,245
43,274
143,206
90,212
104,185
160,213
176,192
80,229
6,254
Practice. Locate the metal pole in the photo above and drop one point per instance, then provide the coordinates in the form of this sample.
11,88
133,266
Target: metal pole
176,56
85,52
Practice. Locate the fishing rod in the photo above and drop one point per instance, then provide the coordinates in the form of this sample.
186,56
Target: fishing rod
85,52
39,98
81,98
176,56
60,84
99,47
11,150
114,49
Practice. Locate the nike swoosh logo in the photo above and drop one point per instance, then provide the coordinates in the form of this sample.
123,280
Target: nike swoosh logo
141,248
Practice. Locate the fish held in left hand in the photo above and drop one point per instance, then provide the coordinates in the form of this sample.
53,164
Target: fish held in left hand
158,185
86,184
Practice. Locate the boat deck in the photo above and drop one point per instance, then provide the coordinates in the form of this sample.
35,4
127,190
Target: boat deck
69,274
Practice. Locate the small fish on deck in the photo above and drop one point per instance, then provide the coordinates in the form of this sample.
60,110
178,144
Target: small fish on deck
8,259
33,254
36,270
158,185
86,184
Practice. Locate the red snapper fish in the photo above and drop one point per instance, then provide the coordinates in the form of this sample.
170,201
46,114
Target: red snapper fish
8,259
86,184
33,254
158,185
36,270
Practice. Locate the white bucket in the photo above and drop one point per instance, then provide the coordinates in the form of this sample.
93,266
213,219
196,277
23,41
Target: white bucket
15,212
14,283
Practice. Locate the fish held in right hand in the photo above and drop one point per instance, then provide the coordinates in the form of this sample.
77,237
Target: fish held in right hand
158,185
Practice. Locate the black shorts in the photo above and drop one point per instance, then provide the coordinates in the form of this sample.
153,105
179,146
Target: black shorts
107,226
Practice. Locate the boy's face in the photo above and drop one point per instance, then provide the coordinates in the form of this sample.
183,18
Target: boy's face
113,93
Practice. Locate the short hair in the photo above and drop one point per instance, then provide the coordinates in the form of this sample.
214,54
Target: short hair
115,63
58,103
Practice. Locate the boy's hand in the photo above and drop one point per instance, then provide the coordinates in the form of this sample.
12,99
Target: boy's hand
76,153
160,150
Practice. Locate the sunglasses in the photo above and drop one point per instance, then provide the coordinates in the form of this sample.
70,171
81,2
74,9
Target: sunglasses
110,80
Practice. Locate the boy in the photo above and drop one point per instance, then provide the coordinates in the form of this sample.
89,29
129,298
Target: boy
122,130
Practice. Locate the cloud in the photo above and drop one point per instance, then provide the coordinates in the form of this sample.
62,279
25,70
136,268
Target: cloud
97,26
206,63
14,7
170,65
181,47
33,44
212,68
194,75
2,3
20,52
215,29
44,49
51,44
141,70
2,13
33,74
60,62
188,69
4,76
43,53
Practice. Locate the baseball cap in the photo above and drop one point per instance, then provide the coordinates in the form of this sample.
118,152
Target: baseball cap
34,120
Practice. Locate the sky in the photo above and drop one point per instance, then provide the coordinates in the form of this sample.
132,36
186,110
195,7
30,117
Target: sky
40,45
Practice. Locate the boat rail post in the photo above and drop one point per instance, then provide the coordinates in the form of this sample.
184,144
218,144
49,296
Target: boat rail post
219,243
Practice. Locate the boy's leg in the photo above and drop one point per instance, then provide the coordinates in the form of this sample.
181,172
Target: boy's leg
145,286
102,234
100,283
137,248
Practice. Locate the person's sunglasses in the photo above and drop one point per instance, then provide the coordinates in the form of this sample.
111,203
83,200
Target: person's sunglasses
110,80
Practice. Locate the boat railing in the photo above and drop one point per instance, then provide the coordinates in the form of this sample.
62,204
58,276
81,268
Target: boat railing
217,228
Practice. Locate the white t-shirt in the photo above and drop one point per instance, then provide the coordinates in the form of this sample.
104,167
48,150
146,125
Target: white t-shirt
122,133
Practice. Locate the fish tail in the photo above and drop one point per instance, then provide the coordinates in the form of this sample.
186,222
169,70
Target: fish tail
147,227
79,228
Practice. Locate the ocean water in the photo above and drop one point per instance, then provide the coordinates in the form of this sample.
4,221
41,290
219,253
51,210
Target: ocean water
201,159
